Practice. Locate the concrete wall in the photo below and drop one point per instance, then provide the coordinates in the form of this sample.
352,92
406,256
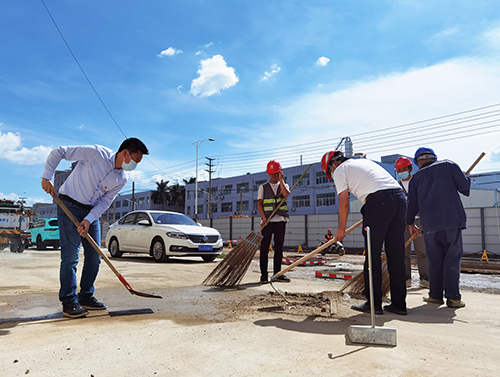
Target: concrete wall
483,232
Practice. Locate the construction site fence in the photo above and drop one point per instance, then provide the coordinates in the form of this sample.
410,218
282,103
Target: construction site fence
482,233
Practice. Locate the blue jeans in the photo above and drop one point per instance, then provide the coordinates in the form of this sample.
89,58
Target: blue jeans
70,247
444,252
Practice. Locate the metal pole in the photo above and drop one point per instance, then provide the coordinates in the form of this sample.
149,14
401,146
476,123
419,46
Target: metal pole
196,187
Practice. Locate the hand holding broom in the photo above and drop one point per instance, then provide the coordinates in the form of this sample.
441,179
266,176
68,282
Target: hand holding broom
233,267
100,252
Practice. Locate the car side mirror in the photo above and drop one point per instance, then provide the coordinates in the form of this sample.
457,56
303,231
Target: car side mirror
144,222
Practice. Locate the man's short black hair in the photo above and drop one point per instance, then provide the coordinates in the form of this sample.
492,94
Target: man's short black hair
133,145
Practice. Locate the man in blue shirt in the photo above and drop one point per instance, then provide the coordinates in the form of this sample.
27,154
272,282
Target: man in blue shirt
88,191
434,194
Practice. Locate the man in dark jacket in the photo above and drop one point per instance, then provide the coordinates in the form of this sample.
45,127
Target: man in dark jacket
434,193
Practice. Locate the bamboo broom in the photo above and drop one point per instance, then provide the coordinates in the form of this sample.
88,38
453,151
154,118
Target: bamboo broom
233,267
356,285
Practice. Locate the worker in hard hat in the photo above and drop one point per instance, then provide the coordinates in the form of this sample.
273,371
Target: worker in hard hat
384,208
404,169
328,235
434,194
268,198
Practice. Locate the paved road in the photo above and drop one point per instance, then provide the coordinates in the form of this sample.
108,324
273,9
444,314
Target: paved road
197,330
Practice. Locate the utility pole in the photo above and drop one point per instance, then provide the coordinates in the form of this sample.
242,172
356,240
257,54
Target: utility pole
133,199
210,171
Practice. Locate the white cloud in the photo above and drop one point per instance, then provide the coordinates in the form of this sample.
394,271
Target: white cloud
169,52
330,112
275,68
322,61
11,150
214,76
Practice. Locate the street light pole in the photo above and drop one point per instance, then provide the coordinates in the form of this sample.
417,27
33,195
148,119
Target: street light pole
196,145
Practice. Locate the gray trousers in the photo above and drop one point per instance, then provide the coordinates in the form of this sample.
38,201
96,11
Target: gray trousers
419,246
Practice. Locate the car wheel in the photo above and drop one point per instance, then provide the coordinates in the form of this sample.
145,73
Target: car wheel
114,249
39,244
158,250
209,258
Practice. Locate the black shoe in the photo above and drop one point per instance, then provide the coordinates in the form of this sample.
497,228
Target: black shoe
391,308
74,310
365,308
283,279
91,303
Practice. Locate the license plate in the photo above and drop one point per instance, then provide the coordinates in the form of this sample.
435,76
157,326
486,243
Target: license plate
205,248
4,240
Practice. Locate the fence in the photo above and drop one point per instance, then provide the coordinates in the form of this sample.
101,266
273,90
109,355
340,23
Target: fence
482,233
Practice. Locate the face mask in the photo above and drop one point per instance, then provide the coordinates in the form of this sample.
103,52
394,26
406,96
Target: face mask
130,166
404,175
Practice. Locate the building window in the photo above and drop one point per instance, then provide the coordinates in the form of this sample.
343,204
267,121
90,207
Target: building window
226,190
226,207
147,200
243,204
188,210
213,192
189,195
200,208
200,194
321,178
255,202
118,204
303,182
125,203
140,201
257,184
301,201
242,187
325,199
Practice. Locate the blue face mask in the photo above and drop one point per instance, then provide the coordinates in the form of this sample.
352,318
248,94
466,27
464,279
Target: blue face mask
404,175
130,166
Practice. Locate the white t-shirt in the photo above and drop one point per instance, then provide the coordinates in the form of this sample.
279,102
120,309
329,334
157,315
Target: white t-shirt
274,187
363,177
406,185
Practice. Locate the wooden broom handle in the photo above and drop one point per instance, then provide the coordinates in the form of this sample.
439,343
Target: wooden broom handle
87,236
466,173
315,251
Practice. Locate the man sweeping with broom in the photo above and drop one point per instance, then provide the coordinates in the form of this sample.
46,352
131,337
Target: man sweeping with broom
268,197
384,208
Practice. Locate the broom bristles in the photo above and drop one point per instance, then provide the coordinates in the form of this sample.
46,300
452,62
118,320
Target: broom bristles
233,267
356,285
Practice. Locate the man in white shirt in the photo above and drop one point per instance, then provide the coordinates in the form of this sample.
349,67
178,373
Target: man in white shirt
384,208
88,191
268,198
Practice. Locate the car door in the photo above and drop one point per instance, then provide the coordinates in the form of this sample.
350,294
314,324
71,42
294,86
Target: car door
123,231
140,235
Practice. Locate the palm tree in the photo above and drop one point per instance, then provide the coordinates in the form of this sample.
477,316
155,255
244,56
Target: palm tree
177,194
161,195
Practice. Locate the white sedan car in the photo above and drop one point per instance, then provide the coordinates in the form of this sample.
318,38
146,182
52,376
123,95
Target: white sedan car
162,234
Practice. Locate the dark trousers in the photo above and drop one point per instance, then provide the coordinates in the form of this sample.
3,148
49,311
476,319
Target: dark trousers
278,229
444,252
384,212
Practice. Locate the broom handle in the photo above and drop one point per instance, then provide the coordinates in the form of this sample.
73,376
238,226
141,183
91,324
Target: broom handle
315,251
466,173
283,199
87,236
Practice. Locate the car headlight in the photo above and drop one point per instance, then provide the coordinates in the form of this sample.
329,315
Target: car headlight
177,235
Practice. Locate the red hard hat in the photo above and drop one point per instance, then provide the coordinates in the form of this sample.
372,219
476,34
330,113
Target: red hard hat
273,167
329,230
327,160
402,162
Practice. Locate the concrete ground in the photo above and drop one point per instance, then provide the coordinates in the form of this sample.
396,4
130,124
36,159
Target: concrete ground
247,331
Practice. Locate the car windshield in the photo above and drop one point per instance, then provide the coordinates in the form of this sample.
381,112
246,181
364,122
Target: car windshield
171,218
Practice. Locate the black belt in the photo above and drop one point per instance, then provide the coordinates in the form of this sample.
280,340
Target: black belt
78,204
376,193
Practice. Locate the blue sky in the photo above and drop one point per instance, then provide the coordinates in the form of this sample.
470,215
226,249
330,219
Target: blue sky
266,79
